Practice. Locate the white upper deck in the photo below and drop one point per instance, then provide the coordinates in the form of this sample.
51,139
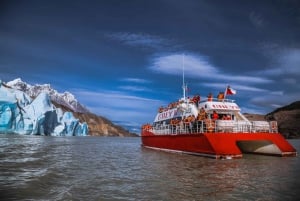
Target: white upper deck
187,107
225,105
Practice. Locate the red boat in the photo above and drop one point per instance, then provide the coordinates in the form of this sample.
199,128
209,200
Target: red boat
214,128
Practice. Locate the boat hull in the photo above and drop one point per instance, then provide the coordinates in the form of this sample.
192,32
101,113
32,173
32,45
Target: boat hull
220,145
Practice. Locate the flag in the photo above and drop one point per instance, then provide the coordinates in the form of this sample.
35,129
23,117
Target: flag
230,91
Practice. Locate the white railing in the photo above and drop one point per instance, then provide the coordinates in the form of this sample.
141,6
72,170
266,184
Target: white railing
219,126
217,100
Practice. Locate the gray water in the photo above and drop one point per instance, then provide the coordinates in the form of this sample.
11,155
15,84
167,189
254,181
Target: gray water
108,168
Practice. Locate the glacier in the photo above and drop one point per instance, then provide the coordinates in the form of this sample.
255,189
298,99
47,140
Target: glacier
20,114
66,99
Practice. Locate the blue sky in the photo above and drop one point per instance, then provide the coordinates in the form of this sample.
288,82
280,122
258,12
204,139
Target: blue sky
123,59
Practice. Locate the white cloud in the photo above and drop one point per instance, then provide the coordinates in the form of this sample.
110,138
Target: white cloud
175,63
115,99
198,66
134,88
238,87
277,93
243,79
135,84
135,80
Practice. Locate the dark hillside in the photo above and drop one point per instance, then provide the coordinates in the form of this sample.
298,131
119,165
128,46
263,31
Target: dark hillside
288,119
98,126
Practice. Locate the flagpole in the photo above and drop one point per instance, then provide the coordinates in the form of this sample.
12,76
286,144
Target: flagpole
225,93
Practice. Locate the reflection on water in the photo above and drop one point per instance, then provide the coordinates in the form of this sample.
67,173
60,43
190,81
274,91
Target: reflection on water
98,168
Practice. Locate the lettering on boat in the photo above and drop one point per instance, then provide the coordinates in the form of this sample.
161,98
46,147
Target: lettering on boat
167,114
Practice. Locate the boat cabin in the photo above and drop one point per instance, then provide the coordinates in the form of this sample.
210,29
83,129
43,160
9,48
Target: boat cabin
210,115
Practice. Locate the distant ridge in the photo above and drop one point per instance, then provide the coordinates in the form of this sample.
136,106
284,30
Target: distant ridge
287,117
292,106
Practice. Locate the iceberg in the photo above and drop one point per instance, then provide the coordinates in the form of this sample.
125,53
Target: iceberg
20,114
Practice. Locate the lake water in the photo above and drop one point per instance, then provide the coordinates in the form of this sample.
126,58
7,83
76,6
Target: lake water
108,168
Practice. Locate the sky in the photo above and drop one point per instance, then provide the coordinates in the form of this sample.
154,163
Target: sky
123,59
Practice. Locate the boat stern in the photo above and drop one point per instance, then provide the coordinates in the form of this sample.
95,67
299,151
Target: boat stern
263,143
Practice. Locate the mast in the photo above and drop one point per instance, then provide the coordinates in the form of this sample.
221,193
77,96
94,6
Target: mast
183,84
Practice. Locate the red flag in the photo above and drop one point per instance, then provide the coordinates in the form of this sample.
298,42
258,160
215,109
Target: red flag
230,91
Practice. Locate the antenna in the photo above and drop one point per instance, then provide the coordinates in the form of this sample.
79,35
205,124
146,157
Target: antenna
183,84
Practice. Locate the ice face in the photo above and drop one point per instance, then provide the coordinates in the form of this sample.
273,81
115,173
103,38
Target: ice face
21,115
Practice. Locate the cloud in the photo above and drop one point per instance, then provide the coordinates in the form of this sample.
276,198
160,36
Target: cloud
243,79
289,61
256,19
285,62
115,98
135,80
268,101
141,40
289,81
197,66
119,106
238,87
271,101
135,85
134,88
175,63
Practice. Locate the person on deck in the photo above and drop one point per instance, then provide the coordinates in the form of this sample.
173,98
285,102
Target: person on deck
190,122
201,118
201,115
221,96
210,97
215,115
196,99
160,109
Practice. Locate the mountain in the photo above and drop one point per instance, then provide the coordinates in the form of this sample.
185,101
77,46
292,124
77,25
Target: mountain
66,99
100,126
255,117
97,125
287,117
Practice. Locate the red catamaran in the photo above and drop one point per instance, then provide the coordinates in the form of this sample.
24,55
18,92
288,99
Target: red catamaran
215,128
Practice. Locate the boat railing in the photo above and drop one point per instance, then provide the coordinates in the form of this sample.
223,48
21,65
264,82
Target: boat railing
217,100
218,126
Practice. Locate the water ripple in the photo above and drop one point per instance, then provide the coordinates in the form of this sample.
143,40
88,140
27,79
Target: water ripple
93,168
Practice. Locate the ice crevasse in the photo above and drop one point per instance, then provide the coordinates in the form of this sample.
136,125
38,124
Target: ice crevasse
19,114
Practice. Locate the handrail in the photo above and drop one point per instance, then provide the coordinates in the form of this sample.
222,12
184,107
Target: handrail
211,126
